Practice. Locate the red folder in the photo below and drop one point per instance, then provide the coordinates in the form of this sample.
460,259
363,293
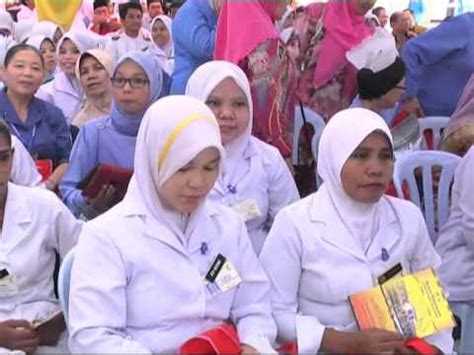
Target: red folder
45,168
419,346
105,174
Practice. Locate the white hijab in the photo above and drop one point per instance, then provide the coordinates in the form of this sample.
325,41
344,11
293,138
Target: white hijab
23,29
45,28
342,135
6,22
166,51
173,131
36,41
200,85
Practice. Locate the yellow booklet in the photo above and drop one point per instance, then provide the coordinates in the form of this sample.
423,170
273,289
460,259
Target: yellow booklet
412,305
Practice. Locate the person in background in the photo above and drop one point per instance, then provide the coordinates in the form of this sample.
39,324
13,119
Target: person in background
132,37
439,63
174,6
412,25
194,35
64,91
162,240
27,10
94,69
103,22
5,44
381,14
333,243
7,26
162,46
400,29
137,81
328,82
23,29
455,244
35,227
256,174
48,29
380,76
458,137
154,8
48,51
40,126
247,37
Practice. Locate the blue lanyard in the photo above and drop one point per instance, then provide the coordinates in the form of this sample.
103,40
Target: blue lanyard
28,144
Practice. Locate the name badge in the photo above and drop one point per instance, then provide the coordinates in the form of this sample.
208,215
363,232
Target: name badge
8,284
247,209
222,275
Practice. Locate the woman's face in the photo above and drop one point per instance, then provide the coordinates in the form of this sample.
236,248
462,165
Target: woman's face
160,34
231,108
24,73
131,88
95,79
68,56
392,98
6,161
186,189
368,171
363,6
49,56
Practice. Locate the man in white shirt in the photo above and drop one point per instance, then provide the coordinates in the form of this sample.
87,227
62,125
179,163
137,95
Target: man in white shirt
132,36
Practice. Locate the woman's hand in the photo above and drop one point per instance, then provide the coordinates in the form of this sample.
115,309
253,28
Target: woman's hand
104,200
51,184
247,349
49,332
18,335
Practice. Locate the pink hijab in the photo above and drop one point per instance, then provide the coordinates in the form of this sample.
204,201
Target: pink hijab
344,30
464,113
242,26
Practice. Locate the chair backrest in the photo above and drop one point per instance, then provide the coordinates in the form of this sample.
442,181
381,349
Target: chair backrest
313,119
416,169
435,125
64,282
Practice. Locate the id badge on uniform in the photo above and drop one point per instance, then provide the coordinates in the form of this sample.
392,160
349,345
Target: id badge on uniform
222,275
8,284
247,209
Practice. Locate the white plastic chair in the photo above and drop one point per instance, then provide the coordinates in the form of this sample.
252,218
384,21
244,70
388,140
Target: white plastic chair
435,124
405,168
313,119
64,281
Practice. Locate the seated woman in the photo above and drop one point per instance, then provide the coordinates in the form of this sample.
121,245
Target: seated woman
380,76
256,182
35,226
458,137
162,45
40,126
65,91
94,69
154,249
48,51
138,81
339,239
455,245
48,29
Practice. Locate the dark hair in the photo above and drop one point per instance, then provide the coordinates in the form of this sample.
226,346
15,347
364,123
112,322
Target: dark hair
100,3
374,85
13,51
163,5
378,10
5,132
395,16
410,11
124,8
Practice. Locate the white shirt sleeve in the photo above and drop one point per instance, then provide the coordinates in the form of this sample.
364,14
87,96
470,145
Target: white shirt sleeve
284,270
97,305
24,171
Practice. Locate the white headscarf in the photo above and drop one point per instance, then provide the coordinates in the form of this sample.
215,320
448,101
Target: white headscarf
81,39
5,44
200,85
6,22
23,29
167,51
173,132
36,41
45,28
342,135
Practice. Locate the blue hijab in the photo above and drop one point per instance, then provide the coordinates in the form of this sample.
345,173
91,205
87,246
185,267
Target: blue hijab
159,87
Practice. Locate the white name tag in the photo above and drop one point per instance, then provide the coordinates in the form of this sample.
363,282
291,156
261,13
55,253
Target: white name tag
247,209
228,277
8,286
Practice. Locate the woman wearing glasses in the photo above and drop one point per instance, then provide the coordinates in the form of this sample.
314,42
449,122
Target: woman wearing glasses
137,82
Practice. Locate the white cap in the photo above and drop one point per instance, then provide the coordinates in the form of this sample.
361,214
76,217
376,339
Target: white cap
376,53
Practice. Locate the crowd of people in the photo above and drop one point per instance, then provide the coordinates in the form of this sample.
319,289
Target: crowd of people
196,103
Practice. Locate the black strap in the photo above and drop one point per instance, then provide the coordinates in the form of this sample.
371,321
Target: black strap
305,129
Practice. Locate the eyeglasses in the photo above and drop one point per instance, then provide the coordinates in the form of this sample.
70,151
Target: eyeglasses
135,83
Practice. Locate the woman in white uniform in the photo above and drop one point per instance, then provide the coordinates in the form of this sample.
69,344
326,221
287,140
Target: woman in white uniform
34,225
140,280
338,240
456,247
256,182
